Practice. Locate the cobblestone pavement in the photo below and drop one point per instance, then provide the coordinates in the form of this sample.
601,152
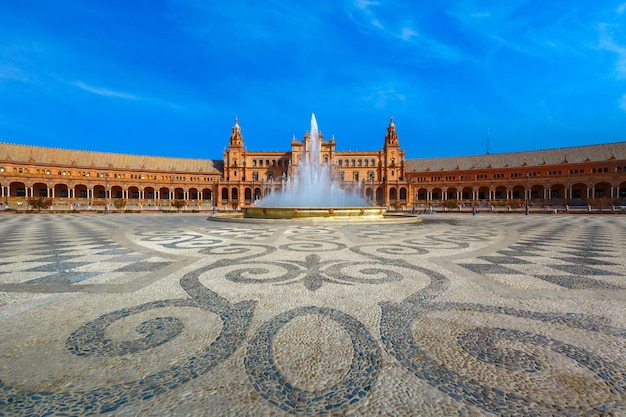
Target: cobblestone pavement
177,315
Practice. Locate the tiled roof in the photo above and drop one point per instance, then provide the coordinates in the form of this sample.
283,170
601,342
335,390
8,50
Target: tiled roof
590,153
105,160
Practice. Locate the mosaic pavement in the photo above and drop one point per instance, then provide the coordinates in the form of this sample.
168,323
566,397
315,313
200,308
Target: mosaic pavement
175,315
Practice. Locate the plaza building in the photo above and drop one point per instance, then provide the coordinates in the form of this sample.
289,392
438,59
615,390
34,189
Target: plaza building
576,178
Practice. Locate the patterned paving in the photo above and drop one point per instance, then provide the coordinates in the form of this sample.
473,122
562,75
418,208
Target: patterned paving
175,315
49,251
588,256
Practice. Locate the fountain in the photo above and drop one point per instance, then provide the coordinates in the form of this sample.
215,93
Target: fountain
311,192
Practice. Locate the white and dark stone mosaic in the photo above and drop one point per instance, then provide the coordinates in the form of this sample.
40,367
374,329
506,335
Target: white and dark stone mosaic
476,353
267,379
571,257
90,340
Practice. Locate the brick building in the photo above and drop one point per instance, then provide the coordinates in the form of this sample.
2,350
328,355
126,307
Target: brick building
566,178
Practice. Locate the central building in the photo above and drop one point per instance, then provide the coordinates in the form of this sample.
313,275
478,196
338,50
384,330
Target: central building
377,176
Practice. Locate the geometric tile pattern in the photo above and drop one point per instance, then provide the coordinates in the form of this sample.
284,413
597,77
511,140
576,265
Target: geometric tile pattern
571,256
61,251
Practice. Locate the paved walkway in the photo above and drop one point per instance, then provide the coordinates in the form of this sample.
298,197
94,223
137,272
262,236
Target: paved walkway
175,315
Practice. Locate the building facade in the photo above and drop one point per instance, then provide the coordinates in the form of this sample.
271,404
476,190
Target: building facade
589,177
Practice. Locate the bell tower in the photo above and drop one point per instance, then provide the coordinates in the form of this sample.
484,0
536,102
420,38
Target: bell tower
393,157
234,161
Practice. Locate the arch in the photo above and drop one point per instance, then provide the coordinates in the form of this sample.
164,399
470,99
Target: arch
379,196
99,191
164,193
133,193
537,192
193,193
602,190
247,194
579,191
224,194
621,192
257,193
207,194
149,193
17,189
422,194
61,191
518,192
467,193
40,190
451,193
116,192
393,194
436,194
179,193
499,193
80,191
403,193
234,194
483,193
556,192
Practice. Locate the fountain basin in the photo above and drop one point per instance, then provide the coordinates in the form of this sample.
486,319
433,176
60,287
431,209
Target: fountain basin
327,213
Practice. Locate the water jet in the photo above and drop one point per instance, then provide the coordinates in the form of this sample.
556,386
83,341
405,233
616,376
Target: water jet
311,193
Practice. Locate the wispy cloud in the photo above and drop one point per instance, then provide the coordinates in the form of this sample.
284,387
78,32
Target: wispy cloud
401,25
608,43
105,92
538,29
11,72
622,103
380,96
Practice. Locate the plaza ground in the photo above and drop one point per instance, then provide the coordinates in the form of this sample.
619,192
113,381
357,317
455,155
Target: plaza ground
179,315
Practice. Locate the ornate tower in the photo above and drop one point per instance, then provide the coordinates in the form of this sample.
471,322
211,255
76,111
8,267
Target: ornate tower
393,166
234,161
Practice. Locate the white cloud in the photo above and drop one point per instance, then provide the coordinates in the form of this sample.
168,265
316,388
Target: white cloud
608,44
622,103
621,8
104,91
365,4
402,32
381,96
10,72
408,33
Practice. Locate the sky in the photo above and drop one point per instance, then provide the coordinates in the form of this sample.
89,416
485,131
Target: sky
169,77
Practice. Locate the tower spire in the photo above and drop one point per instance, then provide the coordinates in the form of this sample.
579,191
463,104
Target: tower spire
236,139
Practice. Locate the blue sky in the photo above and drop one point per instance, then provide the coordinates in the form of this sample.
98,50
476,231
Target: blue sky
168,77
